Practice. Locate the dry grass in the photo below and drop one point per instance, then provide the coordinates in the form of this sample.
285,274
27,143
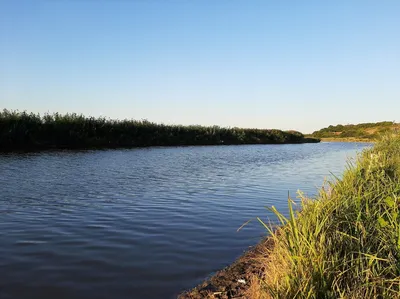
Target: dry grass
255,289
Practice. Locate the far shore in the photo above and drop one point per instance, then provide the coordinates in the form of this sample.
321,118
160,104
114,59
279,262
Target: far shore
348,139
23,131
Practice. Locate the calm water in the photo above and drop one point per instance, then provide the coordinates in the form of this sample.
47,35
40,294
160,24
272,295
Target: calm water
142,223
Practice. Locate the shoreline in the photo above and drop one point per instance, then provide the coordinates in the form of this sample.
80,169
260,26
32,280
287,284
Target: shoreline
235,280
23,131
311,252
349,139
89,148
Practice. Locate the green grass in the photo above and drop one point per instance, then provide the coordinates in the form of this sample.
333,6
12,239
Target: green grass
364,131
346,242
27,131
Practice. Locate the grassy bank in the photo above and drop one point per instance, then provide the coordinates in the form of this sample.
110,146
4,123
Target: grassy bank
345,243
354,133
23,131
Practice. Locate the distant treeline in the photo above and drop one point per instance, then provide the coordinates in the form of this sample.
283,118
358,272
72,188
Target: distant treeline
29,131
364,130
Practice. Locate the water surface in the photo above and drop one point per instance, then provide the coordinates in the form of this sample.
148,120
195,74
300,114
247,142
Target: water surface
143,223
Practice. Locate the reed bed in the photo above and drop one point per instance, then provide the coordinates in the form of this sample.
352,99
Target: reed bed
22,131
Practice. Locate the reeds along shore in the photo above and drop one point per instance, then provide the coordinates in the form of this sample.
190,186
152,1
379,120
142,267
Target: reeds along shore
346,242
28,131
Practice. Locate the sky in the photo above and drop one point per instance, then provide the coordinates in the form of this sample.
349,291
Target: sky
298,65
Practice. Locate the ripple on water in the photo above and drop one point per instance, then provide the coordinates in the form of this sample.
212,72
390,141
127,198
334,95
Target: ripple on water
143,223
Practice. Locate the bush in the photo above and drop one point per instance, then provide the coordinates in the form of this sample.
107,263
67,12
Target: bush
21,131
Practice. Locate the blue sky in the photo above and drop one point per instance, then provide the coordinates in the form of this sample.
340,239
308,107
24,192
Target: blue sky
268,64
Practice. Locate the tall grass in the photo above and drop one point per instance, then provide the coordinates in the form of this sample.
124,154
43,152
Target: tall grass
346,242
21,130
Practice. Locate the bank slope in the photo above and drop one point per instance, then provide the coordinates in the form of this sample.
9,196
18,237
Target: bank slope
358,132
345,243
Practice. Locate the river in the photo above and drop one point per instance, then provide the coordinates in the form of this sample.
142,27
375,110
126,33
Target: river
143,223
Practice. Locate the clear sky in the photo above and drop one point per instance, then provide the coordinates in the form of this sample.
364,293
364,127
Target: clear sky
268,64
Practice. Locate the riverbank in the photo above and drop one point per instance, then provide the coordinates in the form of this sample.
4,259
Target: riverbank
348,139
351,132
342,244
235,280
24,131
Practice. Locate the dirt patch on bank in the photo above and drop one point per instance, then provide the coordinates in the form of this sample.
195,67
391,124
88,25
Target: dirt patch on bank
233,282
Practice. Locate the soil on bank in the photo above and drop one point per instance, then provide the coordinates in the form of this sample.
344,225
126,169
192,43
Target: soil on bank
234,281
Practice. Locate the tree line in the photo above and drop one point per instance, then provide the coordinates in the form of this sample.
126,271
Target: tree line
26,131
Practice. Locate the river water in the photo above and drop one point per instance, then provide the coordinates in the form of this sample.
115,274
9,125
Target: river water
143,223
